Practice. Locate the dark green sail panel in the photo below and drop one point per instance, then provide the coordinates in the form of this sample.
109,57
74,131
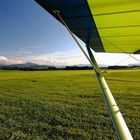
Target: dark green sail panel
77,15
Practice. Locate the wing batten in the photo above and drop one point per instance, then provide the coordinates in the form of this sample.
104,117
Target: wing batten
118,21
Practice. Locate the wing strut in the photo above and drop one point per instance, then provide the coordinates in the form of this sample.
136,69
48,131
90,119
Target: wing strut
119,124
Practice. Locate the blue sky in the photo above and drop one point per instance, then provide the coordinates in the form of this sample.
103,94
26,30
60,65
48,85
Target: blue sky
29,33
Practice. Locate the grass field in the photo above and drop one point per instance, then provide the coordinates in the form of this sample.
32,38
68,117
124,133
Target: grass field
65,105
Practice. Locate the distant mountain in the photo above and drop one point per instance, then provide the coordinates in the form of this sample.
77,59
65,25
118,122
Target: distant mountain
33,66
89,65
84,65
25,65
134,65
28,65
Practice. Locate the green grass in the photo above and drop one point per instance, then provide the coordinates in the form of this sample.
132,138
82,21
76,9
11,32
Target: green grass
65,105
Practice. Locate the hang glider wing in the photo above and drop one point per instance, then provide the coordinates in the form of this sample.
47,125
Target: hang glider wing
106,26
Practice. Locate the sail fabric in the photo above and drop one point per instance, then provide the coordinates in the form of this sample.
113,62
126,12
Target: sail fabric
105,26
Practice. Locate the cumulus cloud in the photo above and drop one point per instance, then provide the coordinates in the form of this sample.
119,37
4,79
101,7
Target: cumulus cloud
71,57
76,57
6,61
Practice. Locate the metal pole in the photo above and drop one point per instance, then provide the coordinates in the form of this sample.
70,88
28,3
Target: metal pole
120,126
57,12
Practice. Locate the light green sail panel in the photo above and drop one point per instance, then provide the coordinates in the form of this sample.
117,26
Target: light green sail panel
118,24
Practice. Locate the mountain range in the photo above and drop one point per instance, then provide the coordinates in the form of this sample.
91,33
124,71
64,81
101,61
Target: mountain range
31,65
26,65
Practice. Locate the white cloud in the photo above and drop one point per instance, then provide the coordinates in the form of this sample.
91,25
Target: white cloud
6,61
75,57
28,48
72,57
69,57
117,58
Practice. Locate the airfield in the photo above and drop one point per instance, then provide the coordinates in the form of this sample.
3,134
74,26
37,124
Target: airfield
65,104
